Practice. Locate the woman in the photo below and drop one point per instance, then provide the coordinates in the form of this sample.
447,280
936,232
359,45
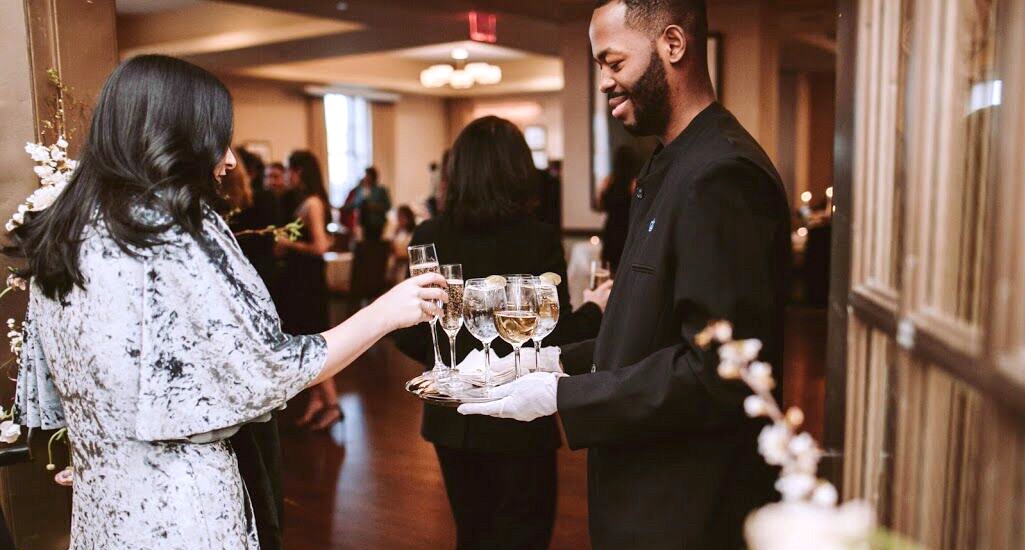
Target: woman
303,284
398,263
615,202
150,335
499,474
372,203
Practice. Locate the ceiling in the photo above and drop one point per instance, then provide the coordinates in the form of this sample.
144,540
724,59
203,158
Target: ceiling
386,43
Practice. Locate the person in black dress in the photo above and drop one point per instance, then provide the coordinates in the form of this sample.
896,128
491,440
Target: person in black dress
499,474
304,307
615,202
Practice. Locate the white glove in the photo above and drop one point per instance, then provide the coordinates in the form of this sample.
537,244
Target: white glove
523,399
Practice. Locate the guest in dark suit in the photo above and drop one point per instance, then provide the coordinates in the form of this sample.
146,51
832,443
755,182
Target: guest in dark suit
672,459
499,474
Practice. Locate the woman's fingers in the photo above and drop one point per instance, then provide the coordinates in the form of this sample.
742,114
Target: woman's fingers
428,279
431,293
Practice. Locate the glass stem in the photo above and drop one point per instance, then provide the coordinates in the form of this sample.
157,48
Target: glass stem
452,348
516,353
439,365
487,367
537,355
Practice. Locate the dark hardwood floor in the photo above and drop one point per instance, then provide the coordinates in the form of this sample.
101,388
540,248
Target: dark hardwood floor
373,484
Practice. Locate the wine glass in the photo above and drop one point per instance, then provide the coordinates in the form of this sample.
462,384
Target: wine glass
423,258
547,316
600,272
479,300
452,312
516,317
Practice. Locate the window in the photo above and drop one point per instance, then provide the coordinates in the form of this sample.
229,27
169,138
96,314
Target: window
349,143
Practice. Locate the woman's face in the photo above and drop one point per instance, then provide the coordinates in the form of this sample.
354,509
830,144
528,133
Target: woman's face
226,165
295,178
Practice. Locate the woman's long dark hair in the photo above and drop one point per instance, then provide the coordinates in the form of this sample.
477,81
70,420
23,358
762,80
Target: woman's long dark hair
490,175
160,127
309,174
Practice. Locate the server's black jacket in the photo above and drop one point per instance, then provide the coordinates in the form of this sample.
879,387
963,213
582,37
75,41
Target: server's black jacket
672,458
522,245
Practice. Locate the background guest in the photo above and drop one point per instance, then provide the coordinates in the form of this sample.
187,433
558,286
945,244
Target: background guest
615,202
405,223
499,474
257,212
304,308
372,202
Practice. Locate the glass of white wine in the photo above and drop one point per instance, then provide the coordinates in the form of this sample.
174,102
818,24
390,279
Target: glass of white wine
516,317
600,273
547,316
423,258
452,311
479,300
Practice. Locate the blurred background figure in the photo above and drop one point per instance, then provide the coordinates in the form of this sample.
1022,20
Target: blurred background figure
304,295
371,201
500,475
257,445
257,211
615,202
405,223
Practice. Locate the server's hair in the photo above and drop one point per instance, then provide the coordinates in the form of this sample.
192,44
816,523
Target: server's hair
653,16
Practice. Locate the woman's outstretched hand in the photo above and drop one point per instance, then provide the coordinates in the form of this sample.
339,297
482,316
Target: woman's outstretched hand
412,301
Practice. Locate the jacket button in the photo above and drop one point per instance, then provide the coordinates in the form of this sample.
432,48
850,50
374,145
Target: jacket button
640,193
594,368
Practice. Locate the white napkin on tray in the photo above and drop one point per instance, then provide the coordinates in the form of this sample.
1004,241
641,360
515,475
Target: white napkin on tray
503,368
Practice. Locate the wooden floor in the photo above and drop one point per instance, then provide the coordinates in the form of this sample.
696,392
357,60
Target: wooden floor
373,483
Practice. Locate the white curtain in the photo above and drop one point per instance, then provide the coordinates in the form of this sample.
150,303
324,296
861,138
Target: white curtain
349,143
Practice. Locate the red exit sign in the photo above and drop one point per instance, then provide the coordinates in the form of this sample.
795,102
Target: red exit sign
483,27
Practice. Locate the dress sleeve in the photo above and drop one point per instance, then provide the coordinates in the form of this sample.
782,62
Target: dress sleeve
213,353
36,400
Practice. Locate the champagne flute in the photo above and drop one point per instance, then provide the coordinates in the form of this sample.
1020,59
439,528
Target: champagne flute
547,316
516,318
479,300
452,312
600,272
423,258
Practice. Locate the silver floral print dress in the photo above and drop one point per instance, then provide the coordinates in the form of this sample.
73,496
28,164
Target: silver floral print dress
159,359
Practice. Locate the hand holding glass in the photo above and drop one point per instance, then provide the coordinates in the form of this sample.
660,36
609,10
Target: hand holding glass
424,259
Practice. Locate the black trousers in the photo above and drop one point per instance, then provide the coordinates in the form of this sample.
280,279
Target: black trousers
258,451
501,501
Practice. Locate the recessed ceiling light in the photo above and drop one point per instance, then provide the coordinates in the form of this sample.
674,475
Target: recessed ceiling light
342,6
460,54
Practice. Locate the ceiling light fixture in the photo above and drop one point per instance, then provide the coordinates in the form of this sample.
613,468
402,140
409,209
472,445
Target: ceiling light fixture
461,76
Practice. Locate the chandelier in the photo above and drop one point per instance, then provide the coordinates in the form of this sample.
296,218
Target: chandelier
461,75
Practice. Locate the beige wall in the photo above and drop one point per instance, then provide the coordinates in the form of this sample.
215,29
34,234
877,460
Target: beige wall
418,136
524,110
271,111
576,127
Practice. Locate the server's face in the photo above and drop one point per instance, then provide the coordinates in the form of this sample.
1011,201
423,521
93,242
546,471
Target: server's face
632,72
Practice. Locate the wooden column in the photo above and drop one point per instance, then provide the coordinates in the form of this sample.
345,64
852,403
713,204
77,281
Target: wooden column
77,39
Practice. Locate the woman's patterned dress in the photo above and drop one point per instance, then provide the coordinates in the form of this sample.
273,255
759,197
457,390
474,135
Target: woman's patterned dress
158,360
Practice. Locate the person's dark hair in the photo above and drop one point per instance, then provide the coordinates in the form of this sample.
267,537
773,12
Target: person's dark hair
491,175
159,129
405,218
373,178
653,16
309,174
276,166
254,167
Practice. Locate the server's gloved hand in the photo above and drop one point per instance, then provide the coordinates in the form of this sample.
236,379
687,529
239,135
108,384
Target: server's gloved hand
523,399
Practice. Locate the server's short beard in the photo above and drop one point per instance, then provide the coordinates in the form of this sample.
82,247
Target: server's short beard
650,98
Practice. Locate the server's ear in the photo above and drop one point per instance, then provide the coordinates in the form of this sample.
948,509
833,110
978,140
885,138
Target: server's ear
673,42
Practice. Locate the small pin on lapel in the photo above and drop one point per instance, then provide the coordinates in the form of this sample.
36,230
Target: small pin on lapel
651,226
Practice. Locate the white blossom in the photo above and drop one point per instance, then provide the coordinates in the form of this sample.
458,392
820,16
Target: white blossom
70,164
16,282
728,370
62,143
795,486
43,197
772,443
38,152
805,526
43,170
825,494
740,351
805,453
759,376
9,431
57,154
755,406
